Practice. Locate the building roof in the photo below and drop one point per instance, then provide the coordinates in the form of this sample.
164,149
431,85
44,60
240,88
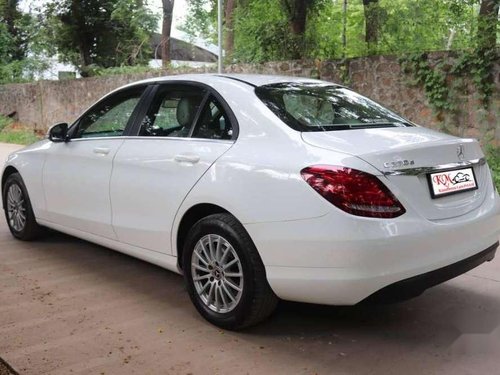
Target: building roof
181,50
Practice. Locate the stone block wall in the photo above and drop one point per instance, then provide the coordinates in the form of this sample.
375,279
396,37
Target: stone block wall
44,103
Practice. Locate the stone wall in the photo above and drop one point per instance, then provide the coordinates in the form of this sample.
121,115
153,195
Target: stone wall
44,103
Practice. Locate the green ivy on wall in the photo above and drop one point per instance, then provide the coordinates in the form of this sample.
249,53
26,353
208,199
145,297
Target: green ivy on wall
442,92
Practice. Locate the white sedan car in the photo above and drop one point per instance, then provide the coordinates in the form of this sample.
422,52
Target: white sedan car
261,187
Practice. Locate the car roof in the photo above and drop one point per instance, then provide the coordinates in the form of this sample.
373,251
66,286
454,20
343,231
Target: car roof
262,79
254,80
251,79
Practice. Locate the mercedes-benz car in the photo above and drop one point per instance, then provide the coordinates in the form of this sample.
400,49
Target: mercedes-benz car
259,188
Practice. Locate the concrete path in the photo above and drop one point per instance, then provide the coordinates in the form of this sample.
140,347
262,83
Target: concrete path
71,307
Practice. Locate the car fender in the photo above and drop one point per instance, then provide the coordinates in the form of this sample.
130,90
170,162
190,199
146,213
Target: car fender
29,162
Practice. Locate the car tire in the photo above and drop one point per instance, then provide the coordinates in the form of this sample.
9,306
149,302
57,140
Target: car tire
237,255
18,210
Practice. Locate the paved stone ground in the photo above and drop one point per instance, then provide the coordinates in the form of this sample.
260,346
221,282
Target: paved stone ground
71,307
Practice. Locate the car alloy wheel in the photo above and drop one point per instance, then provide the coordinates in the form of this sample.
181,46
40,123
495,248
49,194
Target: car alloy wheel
224,274
18,211
16,208
217,273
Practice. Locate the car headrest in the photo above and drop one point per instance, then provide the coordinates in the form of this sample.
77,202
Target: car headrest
186,110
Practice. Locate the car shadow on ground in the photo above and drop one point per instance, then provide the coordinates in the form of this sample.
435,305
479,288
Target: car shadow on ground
446,303
444,307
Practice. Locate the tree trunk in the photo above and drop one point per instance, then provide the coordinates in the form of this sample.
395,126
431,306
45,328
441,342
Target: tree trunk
371,10
168,9
83,42
85,53
297,15
487,24
344,29
229,42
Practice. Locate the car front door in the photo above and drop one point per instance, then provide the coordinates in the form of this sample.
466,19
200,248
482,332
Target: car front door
184,132
77,173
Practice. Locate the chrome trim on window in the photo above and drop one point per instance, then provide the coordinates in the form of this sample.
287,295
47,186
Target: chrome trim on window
125,137
425,170
184,139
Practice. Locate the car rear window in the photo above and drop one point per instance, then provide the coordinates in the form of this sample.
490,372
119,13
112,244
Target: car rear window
323,107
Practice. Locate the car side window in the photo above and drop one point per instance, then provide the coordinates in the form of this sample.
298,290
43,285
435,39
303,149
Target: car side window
172,112
213,122
109,118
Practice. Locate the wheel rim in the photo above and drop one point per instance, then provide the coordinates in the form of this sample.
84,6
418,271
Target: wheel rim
217,273
16,208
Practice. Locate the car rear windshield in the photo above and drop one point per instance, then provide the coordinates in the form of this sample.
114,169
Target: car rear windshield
323,107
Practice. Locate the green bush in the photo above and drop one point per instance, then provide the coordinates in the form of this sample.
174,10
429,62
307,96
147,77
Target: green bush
493,156
104,72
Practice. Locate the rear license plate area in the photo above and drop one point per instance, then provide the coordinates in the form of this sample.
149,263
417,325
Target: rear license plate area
454,181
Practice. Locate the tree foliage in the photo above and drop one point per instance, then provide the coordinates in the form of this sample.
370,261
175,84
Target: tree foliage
6,44
201,19
13,21
19,47
488,23
283,29
97,33
262,33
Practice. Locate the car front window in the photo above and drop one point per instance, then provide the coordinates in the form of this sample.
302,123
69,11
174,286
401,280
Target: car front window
110,117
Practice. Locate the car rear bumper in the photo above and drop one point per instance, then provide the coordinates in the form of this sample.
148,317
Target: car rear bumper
342,259
414,286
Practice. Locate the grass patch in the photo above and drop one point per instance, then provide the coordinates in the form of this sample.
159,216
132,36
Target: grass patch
4,122
12,132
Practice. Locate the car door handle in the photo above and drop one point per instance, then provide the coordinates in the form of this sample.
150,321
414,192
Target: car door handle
101,150
187,158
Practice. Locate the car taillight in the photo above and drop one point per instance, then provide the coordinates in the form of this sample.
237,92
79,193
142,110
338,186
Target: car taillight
353,191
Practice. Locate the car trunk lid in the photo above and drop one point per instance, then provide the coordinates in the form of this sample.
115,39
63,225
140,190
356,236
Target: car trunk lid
405,156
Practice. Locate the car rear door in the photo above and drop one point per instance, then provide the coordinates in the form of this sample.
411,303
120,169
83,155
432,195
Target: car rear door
185,130
77,173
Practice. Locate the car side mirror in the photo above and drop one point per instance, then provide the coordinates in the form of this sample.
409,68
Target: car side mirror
59,132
